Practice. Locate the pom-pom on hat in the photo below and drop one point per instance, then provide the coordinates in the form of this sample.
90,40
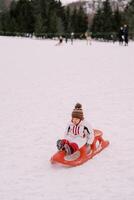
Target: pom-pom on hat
78,112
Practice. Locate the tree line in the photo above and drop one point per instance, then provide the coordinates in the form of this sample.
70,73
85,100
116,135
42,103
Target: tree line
107,23
49,18
42,18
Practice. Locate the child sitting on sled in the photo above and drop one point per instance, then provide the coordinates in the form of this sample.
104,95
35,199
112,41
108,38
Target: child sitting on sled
78,133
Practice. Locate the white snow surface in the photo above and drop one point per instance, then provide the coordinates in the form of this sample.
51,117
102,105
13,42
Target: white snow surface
39,86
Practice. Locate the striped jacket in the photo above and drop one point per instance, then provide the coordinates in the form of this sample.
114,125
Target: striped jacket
81,133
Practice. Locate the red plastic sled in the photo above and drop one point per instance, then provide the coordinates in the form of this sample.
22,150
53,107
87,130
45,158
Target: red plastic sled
82,155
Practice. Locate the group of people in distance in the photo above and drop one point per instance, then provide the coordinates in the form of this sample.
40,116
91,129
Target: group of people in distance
123,35
87,35
66,39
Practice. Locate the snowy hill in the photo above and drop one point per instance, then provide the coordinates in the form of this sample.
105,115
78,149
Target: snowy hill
39,85
91,6
4,4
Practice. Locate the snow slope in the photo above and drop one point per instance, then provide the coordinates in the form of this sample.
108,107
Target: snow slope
39,85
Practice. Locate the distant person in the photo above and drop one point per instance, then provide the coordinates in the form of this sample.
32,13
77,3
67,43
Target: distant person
72,37
113,38
121,36
66,38
60,41
125,31
88,37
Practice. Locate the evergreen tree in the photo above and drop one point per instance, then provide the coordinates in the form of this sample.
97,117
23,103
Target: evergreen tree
129,18
97,25
40,9
117,22
79,22
50,14
4,17
43,18
103,21
74,21
60,26
13,25
107,17
39,28
24,17
67,20
82,21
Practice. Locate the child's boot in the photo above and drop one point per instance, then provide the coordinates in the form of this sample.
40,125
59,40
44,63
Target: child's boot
67,149
60,145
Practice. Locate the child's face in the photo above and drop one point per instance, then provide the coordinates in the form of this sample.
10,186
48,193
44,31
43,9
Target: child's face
75,121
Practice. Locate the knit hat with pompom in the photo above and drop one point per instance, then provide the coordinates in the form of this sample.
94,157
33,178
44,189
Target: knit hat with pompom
78,112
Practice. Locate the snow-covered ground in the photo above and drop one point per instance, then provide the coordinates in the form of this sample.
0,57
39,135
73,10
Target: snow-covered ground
39,86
